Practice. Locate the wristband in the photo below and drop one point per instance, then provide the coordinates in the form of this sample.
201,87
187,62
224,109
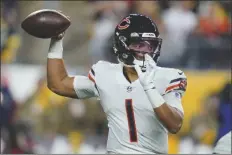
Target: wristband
56,49
154,97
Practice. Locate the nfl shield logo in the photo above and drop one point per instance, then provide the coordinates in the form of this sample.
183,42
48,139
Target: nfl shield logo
129,89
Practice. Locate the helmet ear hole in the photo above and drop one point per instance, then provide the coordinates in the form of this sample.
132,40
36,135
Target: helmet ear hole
124,55
115,50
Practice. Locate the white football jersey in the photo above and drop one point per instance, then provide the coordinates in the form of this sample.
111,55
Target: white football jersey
133,125
223,146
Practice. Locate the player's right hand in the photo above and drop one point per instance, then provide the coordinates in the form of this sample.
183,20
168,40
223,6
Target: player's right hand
59,37
147,78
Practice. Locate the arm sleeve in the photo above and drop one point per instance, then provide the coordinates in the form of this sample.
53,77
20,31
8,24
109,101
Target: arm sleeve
175,91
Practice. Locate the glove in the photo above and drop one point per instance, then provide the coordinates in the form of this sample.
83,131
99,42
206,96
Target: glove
147,81
147,78
58,37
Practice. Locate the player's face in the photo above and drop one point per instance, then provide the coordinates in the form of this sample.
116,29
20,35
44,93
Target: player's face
141,48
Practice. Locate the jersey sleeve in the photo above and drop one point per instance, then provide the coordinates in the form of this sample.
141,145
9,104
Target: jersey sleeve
175,90
85,87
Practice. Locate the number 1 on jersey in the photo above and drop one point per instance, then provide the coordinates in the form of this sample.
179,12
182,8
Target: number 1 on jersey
131,120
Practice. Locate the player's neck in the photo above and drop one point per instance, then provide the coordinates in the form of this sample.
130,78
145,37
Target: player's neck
131,73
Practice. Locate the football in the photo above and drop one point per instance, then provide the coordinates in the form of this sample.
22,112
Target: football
45,23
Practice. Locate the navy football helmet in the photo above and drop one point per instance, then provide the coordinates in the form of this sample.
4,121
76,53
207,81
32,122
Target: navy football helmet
132,29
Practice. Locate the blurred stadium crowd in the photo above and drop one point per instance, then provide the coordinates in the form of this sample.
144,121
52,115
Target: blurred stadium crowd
196,38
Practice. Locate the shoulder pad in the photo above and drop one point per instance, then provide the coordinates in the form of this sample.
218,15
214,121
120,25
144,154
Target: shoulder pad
97,68
175,79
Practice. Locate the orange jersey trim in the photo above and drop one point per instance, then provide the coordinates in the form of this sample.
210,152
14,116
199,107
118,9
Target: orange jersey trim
90,77
172,87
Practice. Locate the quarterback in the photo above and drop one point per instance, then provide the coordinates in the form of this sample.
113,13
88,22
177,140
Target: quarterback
142,101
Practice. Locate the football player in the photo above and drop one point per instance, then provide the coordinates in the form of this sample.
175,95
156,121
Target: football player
142,101
223,140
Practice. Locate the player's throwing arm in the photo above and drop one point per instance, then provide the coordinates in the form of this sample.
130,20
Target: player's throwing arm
52,24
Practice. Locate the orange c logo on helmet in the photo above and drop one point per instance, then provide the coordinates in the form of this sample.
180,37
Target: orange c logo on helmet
125,23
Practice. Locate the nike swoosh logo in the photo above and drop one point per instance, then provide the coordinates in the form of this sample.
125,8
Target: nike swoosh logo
180,73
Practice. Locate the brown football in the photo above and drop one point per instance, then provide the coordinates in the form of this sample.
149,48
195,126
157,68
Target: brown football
45,23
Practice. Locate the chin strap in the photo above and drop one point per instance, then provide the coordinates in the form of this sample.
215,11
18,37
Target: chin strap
123,64
136,62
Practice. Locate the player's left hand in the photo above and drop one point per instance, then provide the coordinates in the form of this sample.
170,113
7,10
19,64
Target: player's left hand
147,78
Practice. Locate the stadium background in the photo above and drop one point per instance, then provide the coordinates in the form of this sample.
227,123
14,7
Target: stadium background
196,38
